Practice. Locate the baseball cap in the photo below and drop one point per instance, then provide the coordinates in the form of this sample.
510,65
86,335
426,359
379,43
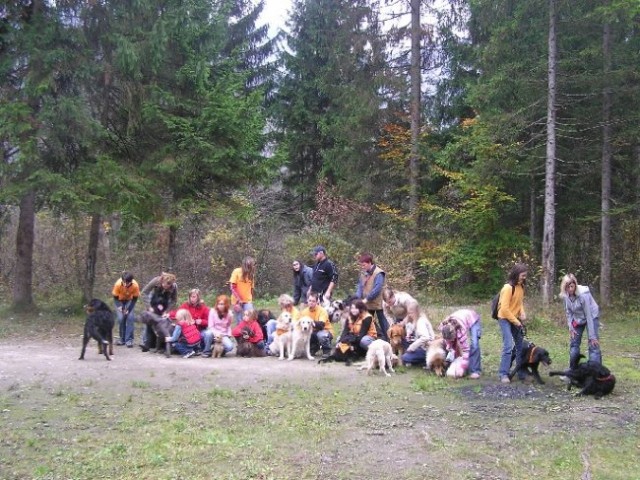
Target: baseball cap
319,248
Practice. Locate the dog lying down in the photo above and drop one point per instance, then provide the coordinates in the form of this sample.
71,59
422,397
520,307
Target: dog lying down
379,354
592,377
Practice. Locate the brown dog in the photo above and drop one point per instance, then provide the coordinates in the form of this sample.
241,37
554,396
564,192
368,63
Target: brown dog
396,334
218,348
437,356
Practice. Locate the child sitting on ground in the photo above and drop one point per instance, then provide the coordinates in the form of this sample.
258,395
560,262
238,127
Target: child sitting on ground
186,336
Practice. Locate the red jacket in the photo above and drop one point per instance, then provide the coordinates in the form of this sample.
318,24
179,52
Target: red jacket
190,333
254,326
198,312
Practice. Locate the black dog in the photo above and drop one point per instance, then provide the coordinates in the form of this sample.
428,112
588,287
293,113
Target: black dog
592,377
158,328
264,316
246,348
346,355
99,326
531,356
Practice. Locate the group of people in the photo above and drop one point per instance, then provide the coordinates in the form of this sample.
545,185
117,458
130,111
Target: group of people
369,314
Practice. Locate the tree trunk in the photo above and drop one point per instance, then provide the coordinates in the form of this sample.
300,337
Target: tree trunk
637,155
605,232
549,233
416,85
23,278
533,218
92,255
172,248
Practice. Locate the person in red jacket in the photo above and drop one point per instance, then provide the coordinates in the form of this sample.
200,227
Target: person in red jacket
186,336
200,313
250,320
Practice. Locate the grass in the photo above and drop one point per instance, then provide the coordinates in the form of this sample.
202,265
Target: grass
342,425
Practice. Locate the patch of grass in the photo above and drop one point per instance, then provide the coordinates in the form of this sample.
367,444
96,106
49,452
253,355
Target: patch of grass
140,384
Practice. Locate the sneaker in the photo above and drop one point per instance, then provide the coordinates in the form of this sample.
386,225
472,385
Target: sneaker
206,354
505,379
474,376
189,355
120,343
129,344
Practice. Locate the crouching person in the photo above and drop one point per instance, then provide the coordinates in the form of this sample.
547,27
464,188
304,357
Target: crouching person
186,336
419,334
461,332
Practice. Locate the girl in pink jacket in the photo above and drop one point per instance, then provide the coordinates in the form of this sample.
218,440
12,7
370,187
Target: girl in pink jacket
462,331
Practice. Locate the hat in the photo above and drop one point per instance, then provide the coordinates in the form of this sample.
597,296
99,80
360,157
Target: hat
318,249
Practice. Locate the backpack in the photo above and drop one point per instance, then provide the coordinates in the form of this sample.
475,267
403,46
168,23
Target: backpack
495,303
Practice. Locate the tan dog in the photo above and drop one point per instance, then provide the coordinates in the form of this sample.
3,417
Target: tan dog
396,334
379,355
281,344
436,356
218,348
300,344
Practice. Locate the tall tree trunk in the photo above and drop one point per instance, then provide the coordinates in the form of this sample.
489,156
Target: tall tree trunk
416,85
172,248
637,155
605,232
533,218
549,232
92,256
23,279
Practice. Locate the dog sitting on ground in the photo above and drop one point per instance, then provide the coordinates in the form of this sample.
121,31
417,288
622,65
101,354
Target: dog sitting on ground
281,344
344,351
379,354
218,347
159,328
531,356
592,377
436,359
99,326
300,343
396,334
246,348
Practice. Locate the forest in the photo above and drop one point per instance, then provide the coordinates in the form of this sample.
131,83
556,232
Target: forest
449,139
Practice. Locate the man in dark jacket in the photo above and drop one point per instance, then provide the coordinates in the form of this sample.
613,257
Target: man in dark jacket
301,281
325,275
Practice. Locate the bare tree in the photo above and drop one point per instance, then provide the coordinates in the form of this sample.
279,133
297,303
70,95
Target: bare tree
549,232
416,85
605,227
23,278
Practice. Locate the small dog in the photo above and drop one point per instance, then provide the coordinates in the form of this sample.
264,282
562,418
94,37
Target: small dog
531,356
218,347
99,326
436,360
300,344
161,327
281,344
396,334
379,354
344,351
592,377
245,347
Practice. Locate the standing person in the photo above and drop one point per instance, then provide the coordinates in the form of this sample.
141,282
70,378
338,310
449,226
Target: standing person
159,296
511,314
200,313
582,312
126,292
462,337
242,287
322,330
301,282
219,323
370,285
325,275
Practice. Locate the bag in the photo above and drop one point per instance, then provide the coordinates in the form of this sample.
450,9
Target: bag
495,303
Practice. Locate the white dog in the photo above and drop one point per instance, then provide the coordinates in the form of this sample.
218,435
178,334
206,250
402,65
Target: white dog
301,338
282,341
379,354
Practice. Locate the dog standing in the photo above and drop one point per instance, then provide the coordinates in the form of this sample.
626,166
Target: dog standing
300,344
161,328
592,377
531,356
396,335
436,359
99,326
379,354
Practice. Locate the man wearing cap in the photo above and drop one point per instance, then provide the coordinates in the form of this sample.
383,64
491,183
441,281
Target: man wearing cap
325,275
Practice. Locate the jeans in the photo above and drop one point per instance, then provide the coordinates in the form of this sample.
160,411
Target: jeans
511,337
183,348
417,357
574,345
365,342
227,344
324,339
125,325
475,332
383,323
271,330
238,315
207,340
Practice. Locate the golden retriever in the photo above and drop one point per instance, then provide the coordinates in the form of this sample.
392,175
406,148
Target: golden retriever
281,344
396,334
379,354
299,345
436,356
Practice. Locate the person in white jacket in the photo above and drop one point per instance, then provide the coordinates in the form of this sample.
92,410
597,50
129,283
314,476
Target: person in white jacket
582,312
419,334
